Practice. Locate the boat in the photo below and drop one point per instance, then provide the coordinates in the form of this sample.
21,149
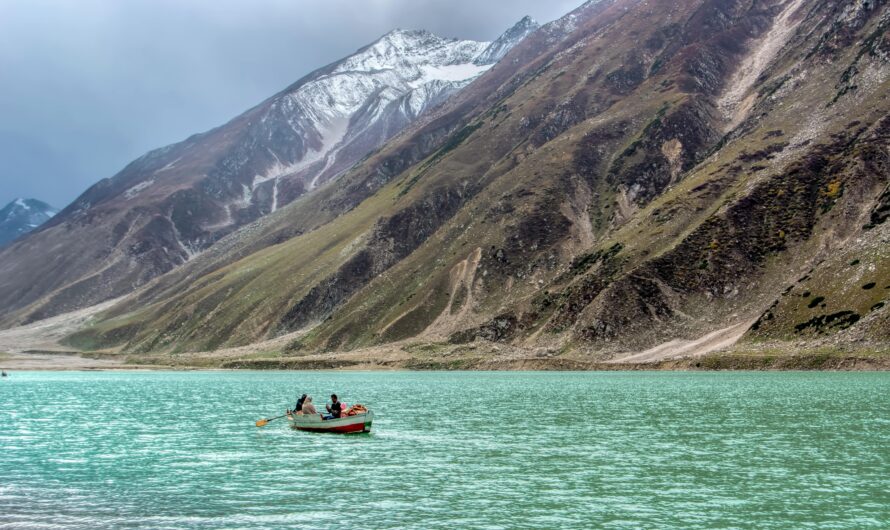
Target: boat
346,425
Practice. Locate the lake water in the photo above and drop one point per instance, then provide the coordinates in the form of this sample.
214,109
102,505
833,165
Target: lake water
448,450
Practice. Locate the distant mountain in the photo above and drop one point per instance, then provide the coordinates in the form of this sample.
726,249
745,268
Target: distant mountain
22,216
169,205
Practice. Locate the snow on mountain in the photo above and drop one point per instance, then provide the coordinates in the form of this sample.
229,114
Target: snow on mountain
354,106
21,216
506,42
169,205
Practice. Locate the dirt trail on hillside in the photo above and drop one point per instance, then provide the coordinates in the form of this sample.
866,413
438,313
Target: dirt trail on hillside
276,345
42,340
57,361
677,349
44,335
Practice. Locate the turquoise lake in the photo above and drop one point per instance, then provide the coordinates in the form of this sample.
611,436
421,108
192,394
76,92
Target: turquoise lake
448,450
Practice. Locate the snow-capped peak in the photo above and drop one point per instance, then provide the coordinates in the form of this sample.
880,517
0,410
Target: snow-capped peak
506,42
407,50
371,95
21,216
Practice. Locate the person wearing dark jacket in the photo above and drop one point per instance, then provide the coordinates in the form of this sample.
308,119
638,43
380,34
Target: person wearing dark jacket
300,402
335,408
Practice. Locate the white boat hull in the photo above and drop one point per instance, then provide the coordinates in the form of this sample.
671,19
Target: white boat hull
348,425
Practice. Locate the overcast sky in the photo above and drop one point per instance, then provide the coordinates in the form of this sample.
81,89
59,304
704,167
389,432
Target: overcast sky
86,86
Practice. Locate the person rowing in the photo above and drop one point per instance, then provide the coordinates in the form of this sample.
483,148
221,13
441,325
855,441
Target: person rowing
300,402
298,407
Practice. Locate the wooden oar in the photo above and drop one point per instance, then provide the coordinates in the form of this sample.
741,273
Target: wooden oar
263,423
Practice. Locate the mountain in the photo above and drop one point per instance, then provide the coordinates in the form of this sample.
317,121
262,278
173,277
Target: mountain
166,207
22,216
639,179
506,42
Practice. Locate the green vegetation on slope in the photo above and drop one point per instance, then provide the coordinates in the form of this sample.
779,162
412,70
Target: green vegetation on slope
594,203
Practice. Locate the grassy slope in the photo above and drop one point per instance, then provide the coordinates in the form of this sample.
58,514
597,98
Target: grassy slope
454,280
234,304
149,329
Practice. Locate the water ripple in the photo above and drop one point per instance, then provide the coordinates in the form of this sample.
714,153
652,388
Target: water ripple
475,450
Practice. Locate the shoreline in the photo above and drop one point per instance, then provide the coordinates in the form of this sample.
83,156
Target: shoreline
40,347
49,361
735,361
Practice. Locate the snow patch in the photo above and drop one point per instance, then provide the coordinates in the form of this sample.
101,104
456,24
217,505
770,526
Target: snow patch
190,251
333,137
169,166
450,72
275,195
332,134
246,196
138,188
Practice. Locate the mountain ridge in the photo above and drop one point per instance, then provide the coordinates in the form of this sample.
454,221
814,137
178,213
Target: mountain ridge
167,206
637,179
591,198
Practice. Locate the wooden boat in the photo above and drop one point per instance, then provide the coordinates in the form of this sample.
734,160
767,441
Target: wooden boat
346,425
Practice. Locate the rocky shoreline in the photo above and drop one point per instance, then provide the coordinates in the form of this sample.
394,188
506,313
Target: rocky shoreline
469,360
735,362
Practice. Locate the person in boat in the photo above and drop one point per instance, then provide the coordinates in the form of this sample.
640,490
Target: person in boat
335,408
308,409
299,405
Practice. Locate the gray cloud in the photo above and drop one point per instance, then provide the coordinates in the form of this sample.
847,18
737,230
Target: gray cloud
88,85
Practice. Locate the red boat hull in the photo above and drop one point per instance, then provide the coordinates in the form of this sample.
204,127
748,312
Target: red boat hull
348,429
348,425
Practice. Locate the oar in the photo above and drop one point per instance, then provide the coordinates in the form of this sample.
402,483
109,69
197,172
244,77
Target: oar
263,423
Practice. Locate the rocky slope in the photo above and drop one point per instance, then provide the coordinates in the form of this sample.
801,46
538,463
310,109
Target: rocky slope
168,206
635,173
22,216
